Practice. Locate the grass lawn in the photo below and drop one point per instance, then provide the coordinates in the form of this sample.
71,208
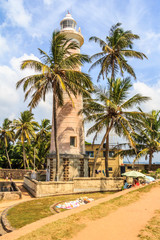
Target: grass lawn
31,211
152,229
66,228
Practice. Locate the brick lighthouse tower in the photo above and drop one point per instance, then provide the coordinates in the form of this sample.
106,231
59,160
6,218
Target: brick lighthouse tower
70,124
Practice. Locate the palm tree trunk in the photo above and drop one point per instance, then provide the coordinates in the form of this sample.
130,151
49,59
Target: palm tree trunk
56,137
31,163
150,161
26,161
112,75
100,147
24,156
8,157
107,155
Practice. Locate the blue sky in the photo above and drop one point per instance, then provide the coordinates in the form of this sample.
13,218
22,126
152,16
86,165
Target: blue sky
26,25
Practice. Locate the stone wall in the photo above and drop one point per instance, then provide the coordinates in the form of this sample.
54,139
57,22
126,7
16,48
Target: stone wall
78,185
48,188
42,189
30,185
9,191
98,184
16,173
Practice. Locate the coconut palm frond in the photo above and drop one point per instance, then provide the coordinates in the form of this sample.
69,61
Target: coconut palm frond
136,99
116,49
98,40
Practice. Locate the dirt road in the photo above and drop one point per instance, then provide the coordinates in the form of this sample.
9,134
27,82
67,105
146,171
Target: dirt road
126,222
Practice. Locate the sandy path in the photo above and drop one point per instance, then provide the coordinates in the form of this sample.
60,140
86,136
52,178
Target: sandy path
126,222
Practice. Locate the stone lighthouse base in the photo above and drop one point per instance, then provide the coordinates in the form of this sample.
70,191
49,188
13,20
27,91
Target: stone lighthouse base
71,166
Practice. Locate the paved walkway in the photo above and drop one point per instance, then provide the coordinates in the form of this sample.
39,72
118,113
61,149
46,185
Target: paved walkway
33,226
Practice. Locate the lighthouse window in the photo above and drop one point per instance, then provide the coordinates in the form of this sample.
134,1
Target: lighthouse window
68,24
73,141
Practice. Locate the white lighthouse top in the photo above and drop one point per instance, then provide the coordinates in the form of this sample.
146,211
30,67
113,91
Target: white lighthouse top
68,26
68,23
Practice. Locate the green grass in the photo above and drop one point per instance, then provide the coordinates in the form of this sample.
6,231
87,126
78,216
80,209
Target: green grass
66,228
31,211
152,229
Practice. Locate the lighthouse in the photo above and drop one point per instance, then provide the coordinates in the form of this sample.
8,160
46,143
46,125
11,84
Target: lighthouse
69,123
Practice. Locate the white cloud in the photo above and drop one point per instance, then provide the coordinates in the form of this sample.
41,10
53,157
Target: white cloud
150,42
3,46
7,91
8,96
16,13
152,91
12,100
16,62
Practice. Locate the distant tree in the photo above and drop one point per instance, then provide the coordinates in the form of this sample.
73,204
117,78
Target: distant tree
16,155
42,143
44,128
6,136
25,128
147,138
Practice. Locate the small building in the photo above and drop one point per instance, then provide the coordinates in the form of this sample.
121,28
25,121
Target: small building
115,164
141,167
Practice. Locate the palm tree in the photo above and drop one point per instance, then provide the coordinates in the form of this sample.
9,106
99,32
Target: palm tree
147,138
109,111
16,155
115,49
25,128
44,128
7,135
58,73
42,143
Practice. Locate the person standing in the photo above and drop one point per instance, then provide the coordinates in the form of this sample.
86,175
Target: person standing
48,174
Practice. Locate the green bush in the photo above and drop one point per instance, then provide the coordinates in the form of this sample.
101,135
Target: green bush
158,170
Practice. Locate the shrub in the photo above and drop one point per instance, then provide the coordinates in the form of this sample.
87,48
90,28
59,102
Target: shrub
158,170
